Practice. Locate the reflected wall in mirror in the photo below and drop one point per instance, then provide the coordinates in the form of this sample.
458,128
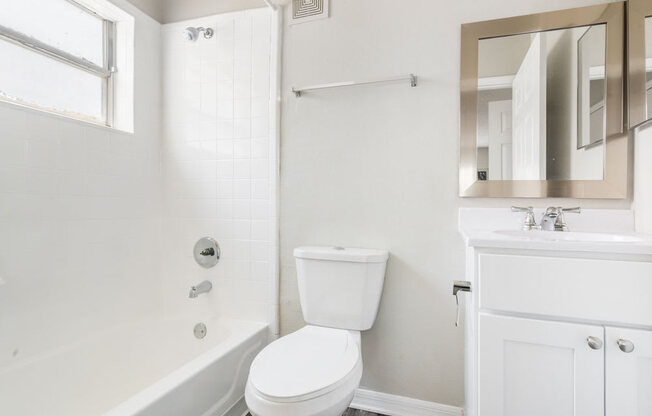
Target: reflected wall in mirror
590,87
639,43
648,66
541,105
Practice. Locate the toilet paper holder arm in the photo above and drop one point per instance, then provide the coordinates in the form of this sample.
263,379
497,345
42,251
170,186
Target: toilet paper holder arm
459,286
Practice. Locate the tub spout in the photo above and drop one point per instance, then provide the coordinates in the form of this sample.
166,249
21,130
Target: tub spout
203,287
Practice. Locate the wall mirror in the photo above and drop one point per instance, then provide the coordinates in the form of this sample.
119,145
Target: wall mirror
639,37
542,105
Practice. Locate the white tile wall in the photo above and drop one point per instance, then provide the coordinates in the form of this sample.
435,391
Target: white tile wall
79,219
97,226
219,162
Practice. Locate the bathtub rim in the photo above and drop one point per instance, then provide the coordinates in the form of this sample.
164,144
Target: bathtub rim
164,386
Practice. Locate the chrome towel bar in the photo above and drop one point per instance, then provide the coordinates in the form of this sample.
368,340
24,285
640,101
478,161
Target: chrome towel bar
410,77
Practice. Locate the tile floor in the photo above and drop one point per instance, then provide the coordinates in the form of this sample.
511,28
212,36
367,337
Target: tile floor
355,412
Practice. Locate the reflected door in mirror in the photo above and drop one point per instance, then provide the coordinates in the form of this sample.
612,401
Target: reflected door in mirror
556,85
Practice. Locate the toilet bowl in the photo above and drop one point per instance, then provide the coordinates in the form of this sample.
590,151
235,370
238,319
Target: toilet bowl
311,372
316,370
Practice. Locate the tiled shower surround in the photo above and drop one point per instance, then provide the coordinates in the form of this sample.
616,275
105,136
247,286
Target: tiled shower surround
80,219
97,226
219,162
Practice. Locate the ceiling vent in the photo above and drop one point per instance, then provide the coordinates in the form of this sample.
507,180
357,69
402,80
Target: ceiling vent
308,10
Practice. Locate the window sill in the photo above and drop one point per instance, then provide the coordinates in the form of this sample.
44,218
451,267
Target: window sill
60,116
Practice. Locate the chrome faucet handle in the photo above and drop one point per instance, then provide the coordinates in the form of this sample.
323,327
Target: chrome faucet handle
530,222
574,210
560,221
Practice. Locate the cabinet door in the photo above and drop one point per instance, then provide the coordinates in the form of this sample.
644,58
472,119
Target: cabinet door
539,368
629,374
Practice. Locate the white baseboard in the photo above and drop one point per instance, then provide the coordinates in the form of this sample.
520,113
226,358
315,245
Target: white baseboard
391,405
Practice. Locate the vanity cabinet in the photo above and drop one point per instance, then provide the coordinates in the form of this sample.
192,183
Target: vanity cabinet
558,333
629,374
539,368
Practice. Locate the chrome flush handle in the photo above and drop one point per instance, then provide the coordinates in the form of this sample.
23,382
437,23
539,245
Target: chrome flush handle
595,343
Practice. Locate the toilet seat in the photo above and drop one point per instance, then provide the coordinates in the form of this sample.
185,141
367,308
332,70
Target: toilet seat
306,364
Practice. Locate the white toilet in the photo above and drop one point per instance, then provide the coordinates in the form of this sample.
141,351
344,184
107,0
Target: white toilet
315,370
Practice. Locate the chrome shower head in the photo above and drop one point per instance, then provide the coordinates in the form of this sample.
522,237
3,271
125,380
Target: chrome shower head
192,33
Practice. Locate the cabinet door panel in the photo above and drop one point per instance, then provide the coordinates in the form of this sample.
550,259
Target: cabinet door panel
538,368
629,375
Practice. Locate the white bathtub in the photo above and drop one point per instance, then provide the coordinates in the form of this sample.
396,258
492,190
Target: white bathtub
149,369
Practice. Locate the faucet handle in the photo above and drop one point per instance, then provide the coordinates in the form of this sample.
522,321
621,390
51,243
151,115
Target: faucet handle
522,209
530,223
573,210
560,221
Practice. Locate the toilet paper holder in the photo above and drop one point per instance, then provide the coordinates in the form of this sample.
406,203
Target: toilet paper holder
459,286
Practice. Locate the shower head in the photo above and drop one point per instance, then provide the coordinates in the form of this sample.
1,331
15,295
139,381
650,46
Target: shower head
192,33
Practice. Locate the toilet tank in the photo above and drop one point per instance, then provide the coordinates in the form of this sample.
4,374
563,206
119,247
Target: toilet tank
340,287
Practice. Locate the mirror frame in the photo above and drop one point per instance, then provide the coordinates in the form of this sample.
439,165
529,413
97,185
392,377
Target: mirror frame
615,184
637,11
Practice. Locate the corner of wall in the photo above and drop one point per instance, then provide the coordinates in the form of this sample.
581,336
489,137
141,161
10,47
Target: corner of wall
643,179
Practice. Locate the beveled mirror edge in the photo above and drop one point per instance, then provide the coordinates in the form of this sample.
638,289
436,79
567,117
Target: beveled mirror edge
637,11
616,171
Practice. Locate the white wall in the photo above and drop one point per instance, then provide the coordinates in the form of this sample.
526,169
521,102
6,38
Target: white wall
648,37
642,166
377,166
502,56
219,164
565,160
484,98
79,218
643,179
166,11
176,10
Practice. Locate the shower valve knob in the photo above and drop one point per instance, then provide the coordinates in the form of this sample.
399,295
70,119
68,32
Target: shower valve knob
206,252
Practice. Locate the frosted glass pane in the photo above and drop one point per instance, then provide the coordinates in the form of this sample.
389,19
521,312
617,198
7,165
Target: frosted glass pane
58,23
34,79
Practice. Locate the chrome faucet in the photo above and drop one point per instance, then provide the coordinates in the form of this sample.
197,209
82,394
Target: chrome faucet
530,223
203,287
553,219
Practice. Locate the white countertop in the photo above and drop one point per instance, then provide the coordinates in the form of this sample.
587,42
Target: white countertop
499,228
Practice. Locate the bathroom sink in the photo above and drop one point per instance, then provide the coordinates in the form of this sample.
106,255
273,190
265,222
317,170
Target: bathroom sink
570,236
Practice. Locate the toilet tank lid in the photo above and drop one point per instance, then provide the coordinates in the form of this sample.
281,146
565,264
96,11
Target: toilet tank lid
358,255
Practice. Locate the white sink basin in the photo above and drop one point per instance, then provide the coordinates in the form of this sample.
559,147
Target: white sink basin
570,236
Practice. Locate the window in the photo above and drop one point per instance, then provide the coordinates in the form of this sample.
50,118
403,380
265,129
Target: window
58,56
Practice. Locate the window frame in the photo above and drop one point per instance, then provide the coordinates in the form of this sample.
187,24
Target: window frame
105,72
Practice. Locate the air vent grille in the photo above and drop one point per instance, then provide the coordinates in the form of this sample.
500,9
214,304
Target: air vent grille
307,10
